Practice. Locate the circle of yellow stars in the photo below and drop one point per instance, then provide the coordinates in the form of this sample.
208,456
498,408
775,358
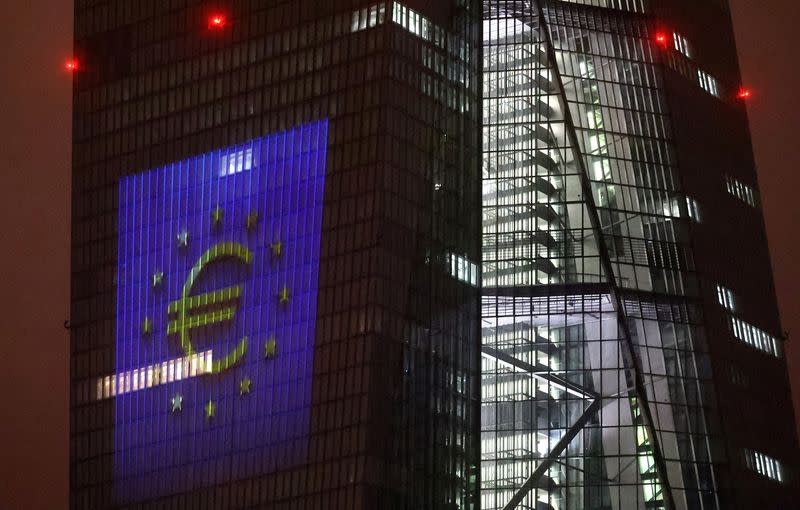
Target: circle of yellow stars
270,346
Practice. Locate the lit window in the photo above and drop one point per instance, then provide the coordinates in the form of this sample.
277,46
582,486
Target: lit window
764,465
461,268
692,209
741,191
236,162
417,24
725,298
368,17
624,5
755,337
151,376
708,83
681,44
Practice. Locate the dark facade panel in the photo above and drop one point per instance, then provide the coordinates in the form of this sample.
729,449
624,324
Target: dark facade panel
714,151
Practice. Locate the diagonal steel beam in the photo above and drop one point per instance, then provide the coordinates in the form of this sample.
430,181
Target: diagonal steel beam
557,450
632,363
553,456
541,373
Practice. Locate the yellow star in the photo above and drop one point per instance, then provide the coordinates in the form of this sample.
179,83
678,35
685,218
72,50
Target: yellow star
216,216
283,297
252,220
147,326
183,239
158,278
277,249
270,348
244,386
211,409
177,403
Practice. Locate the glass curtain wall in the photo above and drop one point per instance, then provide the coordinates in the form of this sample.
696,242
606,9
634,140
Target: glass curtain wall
394,377
594,364
430,366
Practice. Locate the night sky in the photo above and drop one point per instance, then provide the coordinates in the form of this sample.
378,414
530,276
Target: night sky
34,221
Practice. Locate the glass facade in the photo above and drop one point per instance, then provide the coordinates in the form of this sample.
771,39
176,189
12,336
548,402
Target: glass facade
220,255
597,389
275,255
448,255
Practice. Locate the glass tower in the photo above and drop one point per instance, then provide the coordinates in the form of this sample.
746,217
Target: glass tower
599,318
613,348
276,246
450,255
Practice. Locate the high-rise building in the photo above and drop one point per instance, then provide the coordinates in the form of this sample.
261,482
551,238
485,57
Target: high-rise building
449,254
632,354
276,236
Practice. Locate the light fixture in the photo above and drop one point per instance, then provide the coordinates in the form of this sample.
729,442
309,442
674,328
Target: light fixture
217,21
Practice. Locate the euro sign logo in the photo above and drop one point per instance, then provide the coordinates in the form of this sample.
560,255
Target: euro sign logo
191,312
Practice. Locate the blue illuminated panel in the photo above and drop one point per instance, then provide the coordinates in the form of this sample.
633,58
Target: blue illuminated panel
217,298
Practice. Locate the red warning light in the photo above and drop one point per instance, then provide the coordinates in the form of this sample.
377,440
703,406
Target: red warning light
71,65
661,38
217,21
744,93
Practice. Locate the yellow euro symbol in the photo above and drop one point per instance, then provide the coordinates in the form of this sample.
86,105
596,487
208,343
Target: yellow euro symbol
210,308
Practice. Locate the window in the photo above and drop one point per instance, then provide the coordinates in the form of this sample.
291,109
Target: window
417,24
726,298
681,44
741,191
154,375
764,465
624,5
708,83
755,337
738,377
237,162
463,269
692,209
368,17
